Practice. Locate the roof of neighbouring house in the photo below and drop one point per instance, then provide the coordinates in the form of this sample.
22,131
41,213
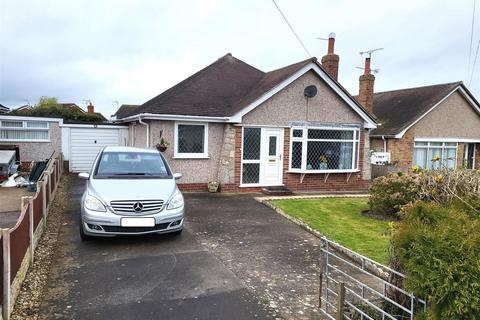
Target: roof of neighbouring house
4,109
223,89
72,106
398,109
124,110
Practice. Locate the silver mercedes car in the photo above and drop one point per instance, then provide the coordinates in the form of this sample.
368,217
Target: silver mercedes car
130,191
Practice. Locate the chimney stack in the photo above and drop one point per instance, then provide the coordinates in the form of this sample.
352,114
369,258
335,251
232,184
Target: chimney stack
330,60
90,108
365,93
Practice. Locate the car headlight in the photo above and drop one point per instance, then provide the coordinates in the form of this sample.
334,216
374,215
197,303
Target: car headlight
92,203
176,201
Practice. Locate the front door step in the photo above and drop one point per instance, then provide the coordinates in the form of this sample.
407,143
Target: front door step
276,191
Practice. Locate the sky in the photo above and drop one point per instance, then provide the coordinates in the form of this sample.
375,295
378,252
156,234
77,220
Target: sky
130,51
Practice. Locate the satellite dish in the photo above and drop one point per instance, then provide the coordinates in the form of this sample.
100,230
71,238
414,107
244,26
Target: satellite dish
310,91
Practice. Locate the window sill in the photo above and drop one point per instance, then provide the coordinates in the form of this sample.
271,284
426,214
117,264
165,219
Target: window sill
323,171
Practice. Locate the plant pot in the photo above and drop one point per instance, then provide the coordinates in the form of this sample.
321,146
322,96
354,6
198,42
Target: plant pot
213,186
162,148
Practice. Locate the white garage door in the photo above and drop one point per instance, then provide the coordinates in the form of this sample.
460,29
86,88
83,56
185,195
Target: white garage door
86,143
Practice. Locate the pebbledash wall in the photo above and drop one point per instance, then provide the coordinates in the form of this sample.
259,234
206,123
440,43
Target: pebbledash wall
225,141
453,118
196,172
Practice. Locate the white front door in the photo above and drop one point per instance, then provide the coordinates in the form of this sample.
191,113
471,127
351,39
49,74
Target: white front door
262,156
273,156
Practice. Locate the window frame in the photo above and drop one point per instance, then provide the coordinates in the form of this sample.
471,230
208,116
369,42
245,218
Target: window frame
26,128
304,140
190,155
428,146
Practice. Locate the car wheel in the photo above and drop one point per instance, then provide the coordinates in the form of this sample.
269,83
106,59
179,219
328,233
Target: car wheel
83,236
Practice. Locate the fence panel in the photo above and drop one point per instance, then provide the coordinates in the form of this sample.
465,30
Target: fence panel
19,242
47,187
52,181
1,270
37,206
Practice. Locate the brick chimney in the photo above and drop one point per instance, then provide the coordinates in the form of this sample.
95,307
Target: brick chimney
90,108
330,60
365,93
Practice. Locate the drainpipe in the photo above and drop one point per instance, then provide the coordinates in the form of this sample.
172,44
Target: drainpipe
384,144
148,130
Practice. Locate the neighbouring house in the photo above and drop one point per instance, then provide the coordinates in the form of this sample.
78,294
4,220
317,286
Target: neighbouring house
232,123
37,138
419,124
4,109
24,108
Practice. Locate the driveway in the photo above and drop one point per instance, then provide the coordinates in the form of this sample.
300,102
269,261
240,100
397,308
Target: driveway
154,277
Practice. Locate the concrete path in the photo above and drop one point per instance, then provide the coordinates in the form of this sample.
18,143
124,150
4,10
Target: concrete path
154,277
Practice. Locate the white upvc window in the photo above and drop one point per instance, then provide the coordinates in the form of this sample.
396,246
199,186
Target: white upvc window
324,149
435,155
191,140
24,131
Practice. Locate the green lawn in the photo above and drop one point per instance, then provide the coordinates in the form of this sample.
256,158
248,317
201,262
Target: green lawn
340,219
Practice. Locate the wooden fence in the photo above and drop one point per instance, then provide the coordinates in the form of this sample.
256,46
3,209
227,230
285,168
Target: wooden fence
18,244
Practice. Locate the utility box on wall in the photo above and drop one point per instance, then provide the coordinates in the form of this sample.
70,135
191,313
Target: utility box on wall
381,158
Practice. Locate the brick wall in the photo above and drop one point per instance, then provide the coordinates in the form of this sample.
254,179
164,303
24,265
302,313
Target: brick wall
376,144
401,150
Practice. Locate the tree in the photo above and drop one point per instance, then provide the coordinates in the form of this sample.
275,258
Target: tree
49,107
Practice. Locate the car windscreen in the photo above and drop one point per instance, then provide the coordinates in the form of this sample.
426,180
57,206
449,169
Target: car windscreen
131,164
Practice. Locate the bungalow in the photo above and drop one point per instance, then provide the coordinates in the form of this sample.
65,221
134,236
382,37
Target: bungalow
295,127
420,124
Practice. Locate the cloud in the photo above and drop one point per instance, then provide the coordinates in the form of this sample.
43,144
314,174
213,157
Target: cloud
131,51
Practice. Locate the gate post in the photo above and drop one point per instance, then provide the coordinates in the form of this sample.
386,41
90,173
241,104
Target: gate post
31,228
341,300
6,273
44,201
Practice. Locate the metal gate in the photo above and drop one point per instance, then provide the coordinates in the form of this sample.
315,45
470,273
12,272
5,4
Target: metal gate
354,287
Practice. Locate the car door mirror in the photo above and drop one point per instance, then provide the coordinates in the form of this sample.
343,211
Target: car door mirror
177,175
84,175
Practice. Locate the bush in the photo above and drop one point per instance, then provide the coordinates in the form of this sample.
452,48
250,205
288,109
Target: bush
389,194
443,186
440,249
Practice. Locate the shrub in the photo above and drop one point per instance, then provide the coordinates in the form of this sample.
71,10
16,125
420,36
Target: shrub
447,187
440,249
389,194
443,186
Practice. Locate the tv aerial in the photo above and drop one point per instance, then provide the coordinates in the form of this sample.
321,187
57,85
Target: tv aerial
369,52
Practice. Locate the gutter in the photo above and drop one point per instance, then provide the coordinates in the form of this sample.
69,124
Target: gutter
154,116
148,130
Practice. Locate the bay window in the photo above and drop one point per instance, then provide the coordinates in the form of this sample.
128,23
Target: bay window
28,131
435,155
324,149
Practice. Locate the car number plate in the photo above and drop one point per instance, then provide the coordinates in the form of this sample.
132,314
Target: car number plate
137,222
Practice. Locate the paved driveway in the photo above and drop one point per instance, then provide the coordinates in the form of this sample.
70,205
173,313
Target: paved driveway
155,277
